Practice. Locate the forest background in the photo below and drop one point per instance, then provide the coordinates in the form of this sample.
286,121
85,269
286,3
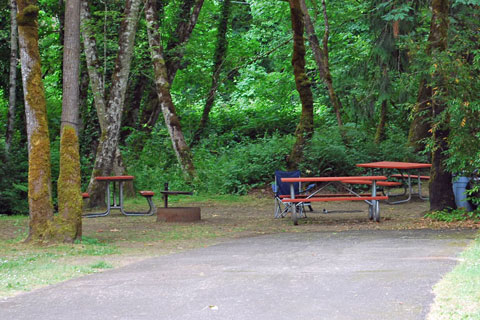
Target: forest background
235,93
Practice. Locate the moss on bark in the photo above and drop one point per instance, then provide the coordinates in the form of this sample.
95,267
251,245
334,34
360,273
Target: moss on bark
39,175
304,130
68,223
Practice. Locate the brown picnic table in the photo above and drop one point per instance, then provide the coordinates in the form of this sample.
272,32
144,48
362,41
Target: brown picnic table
116,199
371,199
408,171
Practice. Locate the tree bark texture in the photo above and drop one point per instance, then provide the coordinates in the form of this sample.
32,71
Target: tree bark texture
61,29
441,194
175,49
108,144
422,113
437,41
162,84
380,133
39,175
321,57
69,221
304,130
12,85
219,59
189,12
94,66
382,121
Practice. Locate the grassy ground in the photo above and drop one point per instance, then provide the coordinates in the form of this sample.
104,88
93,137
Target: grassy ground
457,296
117,240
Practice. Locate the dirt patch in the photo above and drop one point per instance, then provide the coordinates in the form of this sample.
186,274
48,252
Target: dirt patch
142,237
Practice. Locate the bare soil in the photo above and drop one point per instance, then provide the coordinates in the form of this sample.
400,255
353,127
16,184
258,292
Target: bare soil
141,237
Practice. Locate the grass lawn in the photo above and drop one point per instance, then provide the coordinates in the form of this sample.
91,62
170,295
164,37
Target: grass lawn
457,295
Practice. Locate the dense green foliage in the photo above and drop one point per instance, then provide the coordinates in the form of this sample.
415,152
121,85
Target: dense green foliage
257,108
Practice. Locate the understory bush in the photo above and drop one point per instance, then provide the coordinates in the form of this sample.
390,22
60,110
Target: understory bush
460,214
227,166
14,180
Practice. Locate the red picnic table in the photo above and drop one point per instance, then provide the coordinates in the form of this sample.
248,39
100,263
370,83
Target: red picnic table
372,199
405,169
112,203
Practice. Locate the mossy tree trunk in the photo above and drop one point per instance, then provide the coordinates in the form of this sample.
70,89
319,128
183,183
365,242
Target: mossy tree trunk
39,174
110,112
12,85
380,133
422,113
162,84
423,110
441,194
218,61
68,223
304,130
175,50
320,55
382,121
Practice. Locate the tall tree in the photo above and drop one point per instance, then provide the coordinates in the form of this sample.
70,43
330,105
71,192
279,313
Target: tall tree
69,220
441,194
218,61
304,130
174,52
162,84
110,111
320,55
13,75
187,19
39,174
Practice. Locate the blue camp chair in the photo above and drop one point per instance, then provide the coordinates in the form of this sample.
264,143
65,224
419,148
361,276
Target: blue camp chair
283,189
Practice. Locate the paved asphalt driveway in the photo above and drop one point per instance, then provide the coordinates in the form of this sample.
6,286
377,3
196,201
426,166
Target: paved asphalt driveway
325,275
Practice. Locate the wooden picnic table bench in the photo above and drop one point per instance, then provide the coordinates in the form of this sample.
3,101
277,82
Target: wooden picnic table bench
372,199
116,200
406,169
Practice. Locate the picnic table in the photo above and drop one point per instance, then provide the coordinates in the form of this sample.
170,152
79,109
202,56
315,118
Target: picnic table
371,199
406,169
116,201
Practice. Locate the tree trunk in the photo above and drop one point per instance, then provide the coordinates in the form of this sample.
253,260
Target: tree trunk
60,10
385,82
174,53
13,76
93,63
39,174
133,104
176,45
441,194
172,122
219,58
321,57
108,144
380,133
69,221
423,111
304,130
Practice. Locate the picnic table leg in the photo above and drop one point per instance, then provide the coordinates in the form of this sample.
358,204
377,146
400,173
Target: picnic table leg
101,214
420,187
151,205
409,186
293,206
374,209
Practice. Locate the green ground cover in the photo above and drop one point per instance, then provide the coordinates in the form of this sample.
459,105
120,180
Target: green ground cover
458,293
